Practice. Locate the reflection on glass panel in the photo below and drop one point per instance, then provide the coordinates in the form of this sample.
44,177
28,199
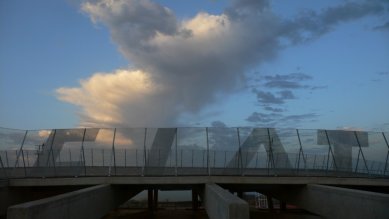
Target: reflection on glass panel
10,142
224,147
11,139
192,151
67,145
160,151
191,147
285,147
316,149
375,151
345,149
33,146
129,147
254,142
98,147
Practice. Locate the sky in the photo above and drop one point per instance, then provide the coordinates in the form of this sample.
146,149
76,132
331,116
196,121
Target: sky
196,63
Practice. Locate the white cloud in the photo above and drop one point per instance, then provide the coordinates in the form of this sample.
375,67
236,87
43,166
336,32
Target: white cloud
184,65
102,97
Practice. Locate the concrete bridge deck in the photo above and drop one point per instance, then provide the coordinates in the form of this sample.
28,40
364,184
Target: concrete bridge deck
67,173
179,181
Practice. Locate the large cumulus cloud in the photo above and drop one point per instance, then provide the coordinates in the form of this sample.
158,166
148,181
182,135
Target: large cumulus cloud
180,66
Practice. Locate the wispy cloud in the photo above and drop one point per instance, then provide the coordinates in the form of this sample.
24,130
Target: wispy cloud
381,76
273,109
383,27
280,119
274,95
269,98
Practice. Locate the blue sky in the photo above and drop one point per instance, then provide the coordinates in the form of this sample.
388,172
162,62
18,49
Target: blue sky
300,64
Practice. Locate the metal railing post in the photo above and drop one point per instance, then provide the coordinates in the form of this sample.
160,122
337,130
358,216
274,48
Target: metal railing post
51,152
176,155
21,152
3,168
113,151
301,152
83,152
387,154
240,159
208,166
360,149
270,153
330,151
144,154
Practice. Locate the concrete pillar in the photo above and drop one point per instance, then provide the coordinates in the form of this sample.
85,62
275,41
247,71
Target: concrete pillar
150,199
221,204
335,202
269,202
195,200
155,198
92,202
283,205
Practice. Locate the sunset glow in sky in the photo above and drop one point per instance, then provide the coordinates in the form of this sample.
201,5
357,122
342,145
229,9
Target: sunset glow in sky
167,63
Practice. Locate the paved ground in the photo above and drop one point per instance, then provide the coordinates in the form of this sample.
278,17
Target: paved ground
160,214
169,213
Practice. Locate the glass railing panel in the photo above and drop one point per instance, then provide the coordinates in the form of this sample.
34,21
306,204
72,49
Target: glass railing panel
224,145
318,158
346,150
10,143
254,156
375,151
386,168
160,151
130,151
64,147
192,158
286,150
98,152
35,144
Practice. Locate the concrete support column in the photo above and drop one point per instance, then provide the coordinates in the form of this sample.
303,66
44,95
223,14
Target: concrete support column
155,192
269,202
283,205
152,197
195,200
92,202
221,204
150,200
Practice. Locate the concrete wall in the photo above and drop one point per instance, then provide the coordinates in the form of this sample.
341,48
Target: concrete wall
221,204
335,202
93,202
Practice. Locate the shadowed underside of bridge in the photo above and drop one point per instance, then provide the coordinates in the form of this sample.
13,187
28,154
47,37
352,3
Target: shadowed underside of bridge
92,197
73,172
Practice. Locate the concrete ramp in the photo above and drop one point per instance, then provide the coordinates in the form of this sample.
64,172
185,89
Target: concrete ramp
221,204
89,203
